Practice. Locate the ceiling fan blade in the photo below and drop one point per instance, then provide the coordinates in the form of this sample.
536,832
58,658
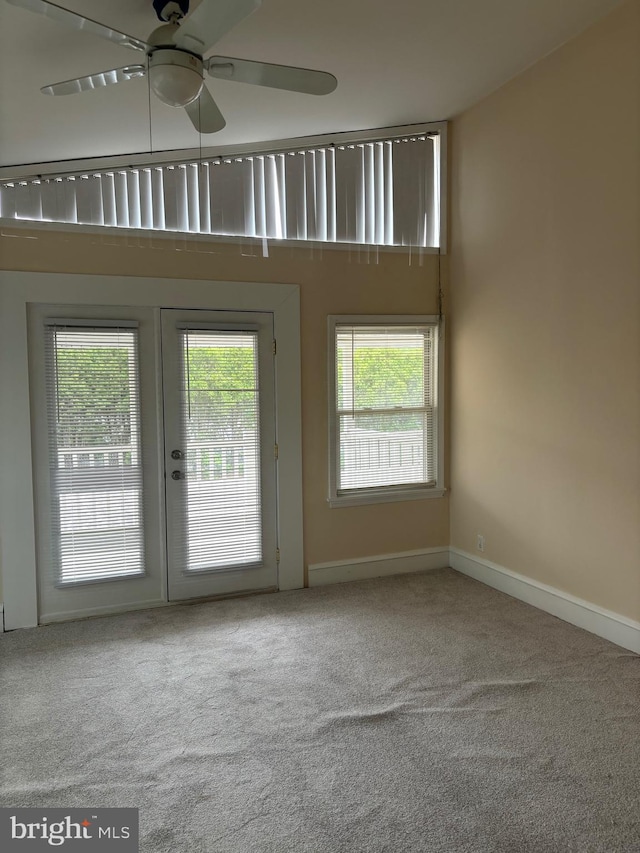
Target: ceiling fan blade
79,22
275,76
95,81
204,113
210,21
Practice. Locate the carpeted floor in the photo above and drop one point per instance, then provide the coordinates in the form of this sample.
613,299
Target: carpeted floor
417,713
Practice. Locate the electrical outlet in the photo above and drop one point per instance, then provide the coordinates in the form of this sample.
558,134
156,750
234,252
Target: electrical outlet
480,543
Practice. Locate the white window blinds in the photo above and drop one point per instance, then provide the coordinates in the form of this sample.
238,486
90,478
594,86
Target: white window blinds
94,446
376,193
220,415
385,407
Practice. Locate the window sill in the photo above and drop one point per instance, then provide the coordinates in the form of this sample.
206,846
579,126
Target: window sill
383,497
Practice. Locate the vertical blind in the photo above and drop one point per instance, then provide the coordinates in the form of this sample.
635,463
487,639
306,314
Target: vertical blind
95,452
385,406
220,413
375,193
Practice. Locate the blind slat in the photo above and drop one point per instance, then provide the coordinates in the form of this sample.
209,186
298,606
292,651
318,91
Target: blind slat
296,206
134,198
108,194
205,198
124,200
192,186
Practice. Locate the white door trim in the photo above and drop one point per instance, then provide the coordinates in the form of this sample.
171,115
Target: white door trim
17,290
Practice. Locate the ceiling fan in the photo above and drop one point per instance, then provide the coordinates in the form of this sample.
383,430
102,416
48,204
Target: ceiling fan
175,59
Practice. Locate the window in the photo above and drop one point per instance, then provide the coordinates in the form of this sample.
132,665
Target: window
94,441
385,437
384,191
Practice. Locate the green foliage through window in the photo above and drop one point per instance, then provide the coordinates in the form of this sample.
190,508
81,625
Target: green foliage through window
222,388
93,400
384,378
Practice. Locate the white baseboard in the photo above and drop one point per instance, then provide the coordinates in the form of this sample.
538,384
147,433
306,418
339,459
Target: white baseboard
604,623
107,610
611,626
361,568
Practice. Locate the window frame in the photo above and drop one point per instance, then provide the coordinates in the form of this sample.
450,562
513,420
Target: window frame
385,494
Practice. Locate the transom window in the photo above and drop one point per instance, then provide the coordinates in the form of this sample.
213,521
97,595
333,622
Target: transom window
385,191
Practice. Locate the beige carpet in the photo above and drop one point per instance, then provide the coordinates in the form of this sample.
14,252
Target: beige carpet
419,713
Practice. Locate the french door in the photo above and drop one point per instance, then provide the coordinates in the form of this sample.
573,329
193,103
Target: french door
219,453
155,456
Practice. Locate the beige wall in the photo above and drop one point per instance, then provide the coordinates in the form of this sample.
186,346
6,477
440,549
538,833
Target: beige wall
544,326
331,282
546,319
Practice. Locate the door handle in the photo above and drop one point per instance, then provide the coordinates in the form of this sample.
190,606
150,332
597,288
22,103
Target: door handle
176,454
177,475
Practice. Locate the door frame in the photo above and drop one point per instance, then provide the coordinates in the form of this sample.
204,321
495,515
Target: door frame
18,290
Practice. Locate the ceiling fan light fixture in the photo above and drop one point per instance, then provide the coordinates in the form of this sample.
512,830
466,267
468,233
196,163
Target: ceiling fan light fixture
175,76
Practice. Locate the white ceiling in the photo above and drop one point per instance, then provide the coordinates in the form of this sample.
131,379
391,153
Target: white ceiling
398,62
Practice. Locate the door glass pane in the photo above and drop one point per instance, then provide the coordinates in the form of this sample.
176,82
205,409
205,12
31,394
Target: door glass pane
94,437
221,442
